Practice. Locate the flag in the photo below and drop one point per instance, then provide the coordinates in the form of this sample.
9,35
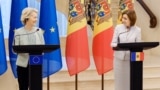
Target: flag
16,8
52,62
3,62
103,32
137,56
124,5
77,51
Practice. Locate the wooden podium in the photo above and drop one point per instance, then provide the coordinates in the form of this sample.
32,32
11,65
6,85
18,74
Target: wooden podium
35,62
136,67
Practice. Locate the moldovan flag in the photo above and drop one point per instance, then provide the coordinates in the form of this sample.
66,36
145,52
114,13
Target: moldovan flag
124,5
77,51
103,32
137,56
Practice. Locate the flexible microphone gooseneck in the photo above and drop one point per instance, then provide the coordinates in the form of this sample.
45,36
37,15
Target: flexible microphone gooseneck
24,34
120,34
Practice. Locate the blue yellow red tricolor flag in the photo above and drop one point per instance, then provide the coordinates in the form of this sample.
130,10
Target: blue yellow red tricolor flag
124,5
77,51
137,56
103,32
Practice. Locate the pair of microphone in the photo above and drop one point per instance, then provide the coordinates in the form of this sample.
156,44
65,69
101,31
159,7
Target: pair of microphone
24,34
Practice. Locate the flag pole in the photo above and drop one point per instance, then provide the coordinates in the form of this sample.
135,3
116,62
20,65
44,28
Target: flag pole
48,79
76,82
102,81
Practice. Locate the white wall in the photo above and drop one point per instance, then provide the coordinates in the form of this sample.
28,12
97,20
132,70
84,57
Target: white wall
149,34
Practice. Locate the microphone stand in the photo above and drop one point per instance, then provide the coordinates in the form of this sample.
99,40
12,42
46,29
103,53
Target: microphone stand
22,35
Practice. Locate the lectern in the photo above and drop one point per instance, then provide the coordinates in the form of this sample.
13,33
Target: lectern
136,67
35,62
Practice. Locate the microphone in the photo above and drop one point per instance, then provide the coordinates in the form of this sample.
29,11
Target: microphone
24,34
120,34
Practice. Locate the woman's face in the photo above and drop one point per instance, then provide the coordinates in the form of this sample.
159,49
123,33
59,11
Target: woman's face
32,19
125,20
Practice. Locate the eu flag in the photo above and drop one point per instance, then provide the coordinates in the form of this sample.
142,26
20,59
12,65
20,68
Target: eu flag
48,22
16,8
3,63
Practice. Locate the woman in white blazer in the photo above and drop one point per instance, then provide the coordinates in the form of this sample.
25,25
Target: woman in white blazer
26,35
124,33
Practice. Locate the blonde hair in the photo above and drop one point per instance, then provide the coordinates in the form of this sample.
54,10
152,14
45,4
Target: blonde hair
26,14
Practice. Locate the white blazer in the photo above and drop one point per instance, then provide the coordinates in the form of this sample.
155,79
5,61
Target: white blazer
121,35
24,37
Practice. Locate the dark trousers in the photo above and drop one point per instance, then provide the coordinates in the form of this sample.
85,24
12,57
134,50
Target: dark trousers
23,77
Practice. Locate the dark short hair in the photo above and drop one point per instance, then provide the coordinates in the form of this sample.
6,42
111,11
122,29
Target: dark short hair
131,15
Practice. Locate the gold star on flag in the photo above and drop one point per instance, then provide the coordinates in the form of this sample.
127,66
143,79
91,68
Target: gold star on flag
52,29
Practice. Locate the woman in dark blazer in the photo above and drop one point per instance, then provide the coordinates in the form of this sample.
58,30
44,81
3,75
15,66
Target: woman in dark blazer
124,33
27,35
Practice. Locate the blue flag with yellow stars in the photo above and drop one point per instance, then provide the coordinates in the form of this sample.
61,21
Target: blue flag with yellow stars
3,62
16,8
52,62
